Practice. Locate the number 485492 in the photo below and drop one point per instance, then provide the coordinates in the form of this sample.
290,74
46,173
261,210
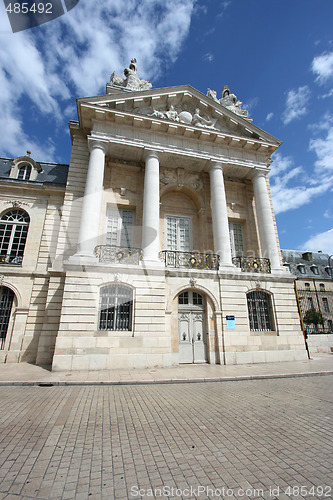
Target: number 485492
35,8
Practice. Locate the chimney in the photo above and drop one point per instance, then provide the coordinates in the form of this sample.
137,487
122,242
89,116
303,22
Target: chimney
307,256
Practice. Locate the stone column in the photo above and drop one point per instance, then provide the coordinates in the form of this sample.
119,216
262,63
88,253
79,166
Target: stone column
267,235
220,215
92,200
151,209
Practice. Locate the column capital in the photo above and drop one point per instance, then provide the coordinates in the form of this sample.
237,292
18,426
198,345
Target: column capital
150,153
260,172
215,165
93,143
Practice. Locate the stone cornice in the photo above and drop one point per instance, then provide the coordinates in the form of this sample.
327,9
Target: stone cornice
153,124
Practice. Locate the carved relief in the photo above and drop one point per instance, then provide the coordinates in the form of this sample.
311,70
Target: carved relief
185,114
17,203
181,177
193,282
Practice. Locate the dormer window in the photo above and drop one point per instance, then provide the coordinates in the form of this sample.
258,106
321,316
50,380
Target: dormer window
314,269
329,270
24,172
25,168
301,268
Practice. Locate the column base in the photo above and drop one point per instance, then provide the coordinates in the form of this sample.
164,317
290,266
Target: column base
81,258
230,268
151,263
279,270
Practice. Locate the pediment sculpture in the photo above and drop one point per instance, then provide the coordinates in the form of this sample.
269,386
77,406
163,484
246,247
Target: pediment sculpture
187,115
229,101
131,80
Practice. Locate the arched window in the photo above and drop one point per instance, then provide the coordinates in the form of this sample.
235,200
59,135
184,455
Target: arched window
116,308
6,303
260,311
24,172
14,226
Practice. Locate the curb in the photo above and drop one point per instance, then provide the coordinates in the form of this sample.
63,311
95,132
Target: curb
65,383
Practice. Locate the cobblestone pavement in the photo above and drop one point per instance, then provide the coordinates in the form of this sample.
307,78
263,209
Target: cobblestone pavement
256,439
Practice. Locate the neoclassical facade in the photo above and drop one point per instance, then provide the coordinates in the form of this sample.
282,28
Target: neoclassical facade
159,245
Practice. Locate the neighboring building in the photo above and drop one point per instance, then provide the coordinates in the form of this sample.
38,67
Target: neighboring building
32,196
314,286
163,247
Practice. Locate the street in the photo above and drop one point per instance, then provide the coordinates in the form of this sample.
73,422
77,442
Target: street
243,439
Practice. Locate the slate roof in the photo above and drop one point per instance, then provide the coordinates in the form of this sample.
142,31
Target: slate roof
54,174
310,260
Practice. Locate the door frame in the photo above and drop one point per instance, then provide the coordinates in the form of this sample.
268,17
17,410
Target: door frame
192,309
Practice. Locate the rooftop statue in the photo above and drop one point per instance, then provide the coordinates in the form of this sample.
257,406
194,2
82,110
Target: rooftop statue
229,101
131,80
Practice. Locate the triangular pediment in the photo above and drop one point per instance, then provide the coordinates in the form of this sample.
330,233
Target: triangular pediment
180,110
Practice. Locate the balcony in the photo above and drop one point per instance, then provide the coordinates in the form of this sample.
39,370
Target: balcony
252,264
190,260
118,255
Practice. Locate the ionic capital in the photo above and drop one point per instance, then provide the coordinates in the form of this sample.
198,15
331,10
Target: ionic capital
94,143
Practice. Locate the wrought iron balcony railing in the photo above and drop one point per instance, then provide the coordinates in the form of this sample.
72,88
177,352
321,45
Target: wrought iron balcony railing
252,264
190,260
117,255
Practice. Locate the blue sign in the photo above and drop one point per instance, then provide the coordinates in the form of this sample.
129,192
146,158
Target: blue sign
230,322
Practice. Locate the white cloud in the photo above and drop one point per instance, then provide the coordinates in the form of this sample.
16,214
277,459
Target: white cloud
75,55
269,116
292,187
322,66
323,147
296,104
321,241
208,57
223,5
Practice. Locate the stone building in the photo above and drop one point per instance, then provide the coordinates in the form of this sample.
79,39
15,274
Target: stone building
314,289
161,246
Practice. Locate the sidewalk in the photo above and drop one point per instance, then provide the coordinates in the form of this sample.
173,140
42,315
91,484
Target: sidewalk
27,374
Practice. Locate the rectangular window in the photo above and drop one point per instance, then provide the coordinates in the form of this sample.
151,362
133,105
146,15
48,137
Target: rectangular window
116,308
330,325
310,302
120,227
178,233
325,304
236,239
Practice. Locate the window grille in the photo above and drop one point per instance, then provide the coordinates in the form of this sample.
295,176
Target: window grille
24,173
183,298
14,226
197,299
116,308
6,303
260,311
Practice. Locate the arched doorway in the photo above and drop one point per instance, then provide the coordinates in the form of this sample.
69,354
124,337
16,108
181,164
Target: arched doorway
191,328
6,304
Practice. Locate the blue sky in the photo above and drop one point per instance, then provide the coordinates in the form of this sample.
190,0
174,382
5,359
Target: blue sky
276,56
